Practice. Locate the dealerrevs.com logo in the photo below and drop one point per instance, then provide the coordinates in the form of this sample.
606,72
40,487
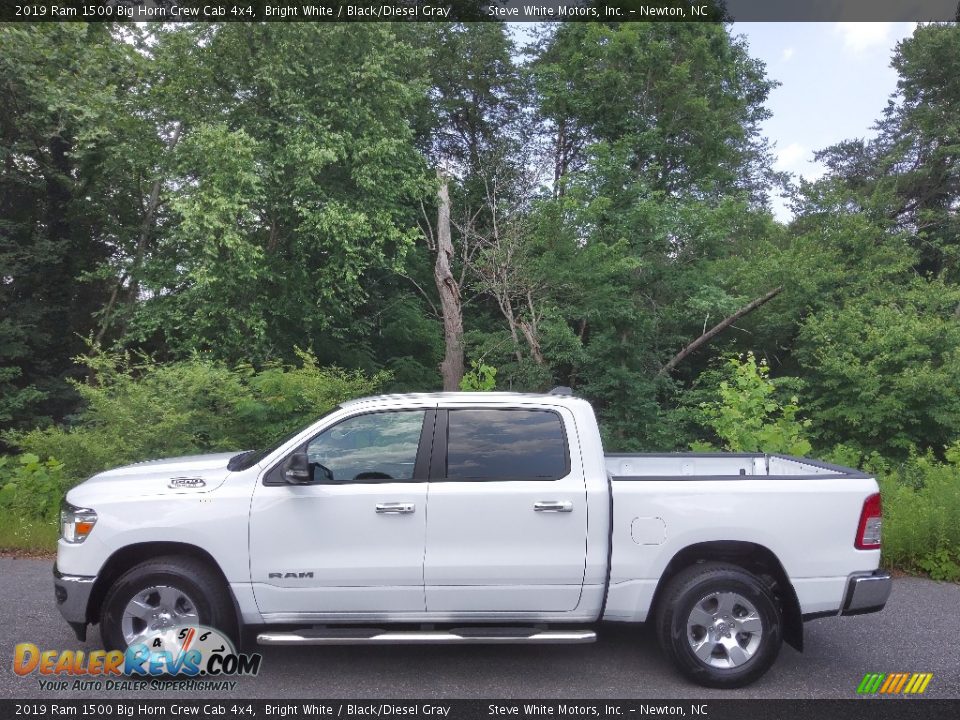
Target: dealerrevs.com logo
185,652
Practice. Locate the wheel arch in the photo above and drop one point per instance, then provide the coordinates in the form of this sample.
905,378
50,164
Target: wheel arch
752,557
132,555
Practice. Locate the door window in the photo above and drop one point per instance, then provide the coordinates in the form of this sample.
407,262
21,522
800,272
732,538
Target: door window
377,447
506,445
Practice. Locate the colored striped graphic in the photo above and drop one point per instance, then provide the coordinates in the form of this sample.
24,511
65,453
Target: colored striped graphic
894,683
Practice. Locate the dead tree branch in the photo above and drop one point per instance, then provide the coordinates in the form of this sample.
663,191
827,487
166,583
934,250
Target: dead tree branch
719,328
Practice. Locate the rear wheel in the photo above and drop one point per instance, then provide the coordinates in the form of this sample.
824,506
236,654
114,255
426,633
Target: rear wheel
163,593
719,624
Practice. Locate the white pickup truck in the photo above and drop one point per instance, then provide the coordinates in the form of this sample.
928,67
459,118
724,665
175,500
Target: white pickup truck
474,518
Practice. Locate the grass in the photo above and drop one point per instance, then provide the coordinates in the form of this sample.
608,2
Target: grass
921,517
23,536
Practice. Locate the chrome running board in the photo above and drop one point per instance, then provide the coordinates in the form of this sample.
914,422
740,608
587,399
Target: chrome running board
456,636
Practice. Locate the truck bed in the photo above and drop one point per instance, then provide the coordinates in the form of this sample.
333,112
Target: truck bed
803,511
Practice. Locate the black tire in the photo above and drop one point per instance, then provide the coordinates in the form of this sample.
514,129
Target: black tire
193,577
693,588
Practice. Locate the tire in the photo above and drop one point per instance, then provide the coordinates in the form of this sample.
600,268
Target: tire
196,594
735,609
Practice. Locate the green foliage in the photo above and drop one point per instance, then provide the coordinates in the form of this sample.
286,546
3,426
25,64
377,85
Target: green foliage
684,100
277,206
474,121
748,416
139,409
921,512
882,372
657,219
876,250
941,565
64,89
480,378
31,489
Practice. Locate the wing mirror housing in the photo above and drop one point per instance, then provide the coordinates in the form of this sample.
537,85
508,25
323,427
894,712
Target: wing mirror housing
297,470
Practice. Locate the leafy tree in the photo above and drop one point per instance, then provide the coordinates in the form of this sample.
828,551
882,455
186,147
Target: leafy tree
874,303
477,100
293,179
908,175
747,416
64,86
660,181
882,371
682,103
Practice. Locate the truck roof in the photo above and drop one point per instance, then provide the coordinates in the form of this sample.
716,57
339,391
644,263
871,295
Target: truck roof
480,397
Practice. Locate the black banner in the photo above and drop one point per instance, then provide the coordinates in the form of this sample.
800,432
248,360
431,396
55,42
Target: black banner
478,10
409,709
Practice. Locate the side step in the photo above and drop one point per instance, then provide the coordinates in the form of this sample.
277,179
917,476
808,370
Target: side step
456,636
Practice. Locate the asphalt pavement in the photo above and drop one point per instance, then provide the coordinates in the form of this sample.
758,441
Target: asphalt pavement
919,631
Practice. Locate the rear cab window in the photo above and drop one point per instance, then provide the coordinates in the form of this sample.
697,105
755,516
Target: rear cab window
505,444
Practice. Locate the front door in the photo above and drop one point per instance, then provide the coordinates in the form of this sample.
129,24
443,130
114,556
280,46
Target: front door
353,541
507,527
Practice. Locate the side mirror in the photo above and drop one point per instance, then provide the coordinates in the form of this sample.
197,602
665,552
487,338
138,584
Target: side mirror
297,471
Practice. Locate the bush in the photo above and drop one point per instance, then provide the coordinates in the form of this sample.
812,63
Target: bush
31,489
921,513
480,378
747,415
138,409
883,373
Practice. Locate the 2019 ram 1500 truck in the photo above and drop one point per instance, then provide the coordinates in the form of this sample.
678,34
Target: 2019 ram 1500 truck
474,518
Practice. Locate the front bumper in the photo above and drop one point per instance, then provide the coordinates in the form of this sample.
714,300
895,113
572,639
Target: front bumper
73,597
866,593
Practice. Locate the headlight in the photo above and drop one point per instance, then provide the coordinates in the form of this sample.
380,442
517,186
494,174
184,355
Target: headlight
76,522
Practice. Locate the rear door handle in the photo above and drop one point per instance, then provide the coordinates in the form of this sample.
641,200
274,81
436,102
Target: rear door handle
553,506
395,508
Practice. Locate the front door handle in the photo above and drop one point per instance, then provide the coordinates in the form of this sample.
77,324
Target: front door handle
553,506
395,508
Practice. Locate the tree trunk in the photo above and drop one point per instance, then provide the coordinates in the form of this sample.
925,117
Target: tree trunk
451,369
532,333
719,328
507,309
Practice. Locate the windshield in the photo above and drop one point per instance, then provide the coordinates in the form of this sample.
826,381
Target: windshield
249,458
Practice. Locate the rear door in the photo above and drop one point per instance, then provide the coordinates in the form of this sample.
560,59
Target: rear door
507,513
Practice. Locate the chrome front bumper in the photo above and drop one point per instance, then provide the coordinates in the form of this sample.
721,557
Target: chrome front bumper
73,597
866,593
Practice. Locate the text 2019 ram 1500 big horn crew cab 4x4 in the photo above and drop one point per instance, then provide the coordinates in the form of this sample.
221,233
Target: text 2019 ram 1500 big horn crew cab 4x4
474,518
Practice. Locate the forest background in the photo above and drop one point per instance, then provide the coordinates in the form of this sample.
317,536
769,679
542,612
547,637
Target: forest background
211,234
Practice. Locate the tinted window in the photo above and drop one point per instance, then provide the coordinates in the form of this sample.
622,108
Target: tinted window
505,445
377,447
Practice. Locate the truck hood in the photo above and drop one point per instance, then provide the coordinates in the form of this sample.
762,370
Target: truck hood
190,474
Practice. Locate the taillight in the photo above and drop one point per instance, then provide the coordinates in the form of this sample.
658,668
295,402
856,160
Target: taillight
871,518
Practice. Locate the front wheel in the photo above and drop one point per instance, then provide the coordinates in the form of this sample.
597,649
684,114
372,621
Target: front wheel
160,594
719,624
